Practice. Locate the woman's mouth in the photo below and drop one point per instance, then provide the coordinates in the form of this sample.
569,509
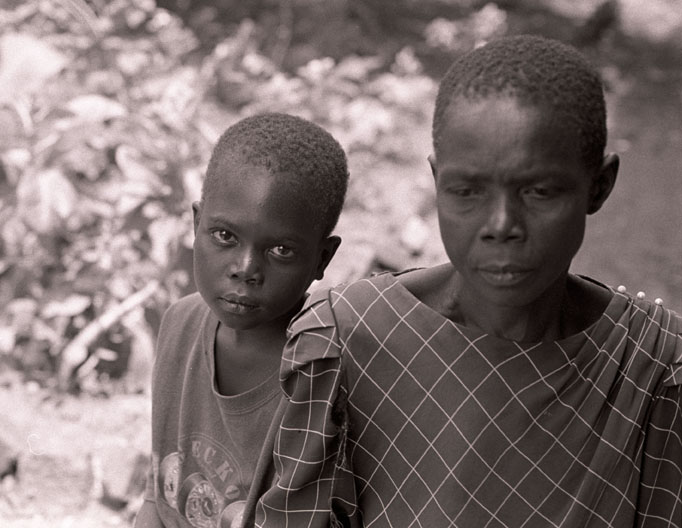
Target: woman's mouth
503,276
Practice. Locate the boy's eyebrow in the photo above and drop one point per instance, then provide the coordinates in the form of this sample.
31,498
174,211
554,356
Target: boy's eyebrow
219,219
294,238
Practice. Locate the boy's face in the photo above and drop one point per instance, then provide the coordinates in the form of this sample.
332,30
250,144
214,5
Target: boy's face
512,193
256,249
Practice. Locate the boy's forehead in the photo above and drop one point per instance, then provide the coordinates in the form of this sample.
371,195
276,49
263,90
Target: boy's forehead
256,181
230,171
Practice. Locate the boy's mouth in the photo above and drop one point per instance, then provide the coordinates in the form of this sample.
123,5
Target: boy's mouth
238,304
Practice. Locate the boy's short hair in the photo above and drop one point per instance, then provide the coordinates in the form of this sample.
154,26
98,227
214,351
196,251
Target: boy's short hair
537,71
286,144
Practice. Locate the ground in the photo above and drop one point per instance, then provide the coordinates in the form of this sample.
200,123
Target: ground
66,447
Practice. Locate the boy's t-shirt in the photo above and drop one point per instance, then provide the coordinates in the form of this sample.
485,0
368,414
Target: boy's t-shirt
205,446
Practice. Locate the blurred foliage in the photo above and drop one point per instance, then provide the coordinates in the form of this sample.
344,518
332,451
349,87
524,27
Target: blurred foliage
100,150
110,110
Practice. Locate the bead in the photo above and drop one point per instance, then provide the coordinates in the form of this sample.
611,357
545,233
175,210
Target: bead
621,289
640,295
658,301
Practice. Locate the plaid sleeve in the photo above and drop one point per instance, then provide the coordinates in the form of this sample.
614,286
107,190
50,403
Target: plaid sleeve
310,437
660,500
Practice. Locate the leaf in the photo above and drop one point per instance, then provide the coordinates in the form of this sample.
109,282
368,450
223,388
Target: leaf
368,119
106,354
164,234
26,63
316,70
133,62
179,101
45,200
73,305
357,68
7,339
22,312
139,183
94,107
82,12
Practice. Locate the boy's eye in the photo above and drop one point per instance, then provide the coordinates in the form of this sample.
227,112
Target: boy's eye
283,252
222,236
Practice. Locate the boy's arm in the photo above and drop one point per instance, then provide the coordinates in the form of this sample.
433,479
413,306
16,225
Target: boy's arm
147,516
310,439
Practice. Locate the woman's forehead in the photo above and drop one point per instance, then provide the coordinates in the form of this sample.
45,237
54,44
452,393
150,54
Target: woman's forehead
498,112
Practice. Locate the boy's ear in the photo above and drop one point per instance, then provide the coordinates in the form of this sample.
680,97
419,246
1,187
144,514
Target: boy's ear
432,163
327,251
603,182
196,212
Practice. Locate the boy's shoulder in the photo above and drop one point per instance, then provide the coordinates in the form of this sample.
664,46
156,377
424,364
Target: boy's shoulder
189,310
190,302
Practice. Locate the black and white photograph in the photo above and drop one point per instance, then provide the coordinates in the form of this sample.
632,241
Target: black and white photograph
341,264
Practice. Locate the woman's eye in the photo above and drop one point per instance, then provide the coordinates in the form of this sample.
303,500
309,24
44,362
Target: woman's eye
223,236
538,192
465,192
283,252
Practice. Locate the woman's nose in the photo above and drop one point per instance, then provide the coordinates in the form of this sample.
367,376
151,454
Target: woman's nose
504,220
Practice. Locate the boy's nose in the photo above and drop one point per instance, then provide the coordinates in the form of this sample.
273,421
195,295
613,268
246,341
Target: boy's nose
245,266
504,220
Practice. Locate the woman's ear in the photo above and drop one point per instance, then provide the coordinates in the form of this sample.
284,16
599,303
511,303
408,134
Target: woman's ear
603,182
196,213
432,163
327,251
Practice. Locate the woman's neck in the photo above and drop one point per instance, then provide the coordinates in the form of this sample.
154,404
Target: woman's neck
568,307
538,321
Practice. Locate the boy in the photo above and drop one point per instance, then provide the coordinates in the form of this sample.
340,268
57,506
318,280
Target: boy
274,190
497,390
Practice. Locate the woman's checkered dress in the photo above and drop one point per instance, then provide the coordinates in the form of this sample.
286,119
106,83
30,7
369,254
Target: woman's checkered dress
399,417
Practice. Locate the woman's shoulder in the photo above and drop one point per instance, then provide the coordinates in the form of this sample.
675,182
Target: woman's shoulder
389,288
669,325
325,306
424,282
343,305
649,328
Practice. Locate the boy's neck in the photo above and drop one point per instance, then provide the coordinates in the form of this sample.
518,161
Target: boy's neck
246,358
263,337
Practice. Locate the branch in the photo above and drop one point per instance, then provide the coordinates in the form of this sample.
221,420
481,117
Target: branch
284,32
82,12
76,351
